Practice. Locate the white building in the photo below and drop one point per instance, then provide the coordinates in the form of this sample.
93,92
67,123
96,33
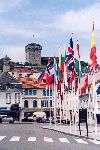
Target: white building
10,92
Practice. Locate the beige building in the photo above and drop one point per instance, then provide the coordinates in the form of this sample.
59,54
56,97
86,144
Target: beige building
35,96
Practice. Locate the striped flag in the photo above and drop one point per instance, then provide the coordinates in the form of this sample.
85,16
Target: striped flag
93,58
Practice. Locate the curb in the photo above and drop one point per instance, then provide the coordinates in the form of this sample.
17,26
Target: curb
16,123
69,133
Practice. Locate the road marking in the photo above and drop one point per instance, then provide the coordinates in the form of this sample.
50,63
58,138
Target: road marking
81,141
47,139
64,140
15,138
2,137
94,141
33,139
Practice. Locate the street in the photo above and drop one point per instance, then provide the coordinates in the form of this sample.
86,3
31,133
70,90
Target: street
32,136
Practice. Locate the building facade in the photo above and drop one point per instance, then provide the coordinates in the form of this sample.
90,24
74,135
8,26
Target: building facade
37,100
35,96
33,53
10,92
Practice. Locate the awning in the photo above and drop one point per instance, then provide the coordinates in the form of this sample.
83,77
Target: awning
4,108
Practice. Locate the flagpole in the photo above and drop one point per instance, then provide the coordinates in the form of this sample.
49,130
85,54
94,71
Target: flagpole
66,105
88,110
50,105
60,108
55,91
70,100
95,105
55,103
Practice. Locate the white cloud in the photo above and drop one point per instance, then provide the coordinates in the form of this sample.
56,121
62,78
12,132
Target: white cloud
80,20
16,53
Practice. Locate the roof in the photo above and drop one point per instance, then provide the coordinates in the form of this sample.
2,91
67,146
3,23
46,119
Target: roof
6,58
22,70
28,82
5,78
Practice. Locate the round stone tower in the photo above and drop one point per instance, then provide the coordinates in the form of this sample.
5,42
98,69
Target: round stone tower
33,53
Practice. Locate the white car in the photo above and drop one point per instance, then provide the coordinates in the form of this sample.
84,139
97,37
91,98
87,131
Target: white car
6,118
32,118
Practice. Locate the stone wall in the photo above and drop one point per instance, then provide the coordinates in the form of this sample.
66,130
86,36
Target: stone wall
33,53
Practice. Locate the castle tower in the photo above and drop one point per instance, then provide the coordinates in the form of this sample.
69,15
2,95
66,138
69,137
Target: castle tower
6,64
33,53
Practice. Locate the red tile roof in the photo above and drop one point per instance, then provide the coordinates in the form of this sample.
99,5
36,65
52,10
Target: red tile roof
23,69
28,82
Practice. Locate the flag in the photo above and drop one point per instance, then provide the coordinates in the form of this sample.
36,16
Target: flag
83,90
78,47
86,84
70,56
98,90
70,50
71,77
65,74
41,76
44,72
49,60
92,86
93,58
61,61
50,76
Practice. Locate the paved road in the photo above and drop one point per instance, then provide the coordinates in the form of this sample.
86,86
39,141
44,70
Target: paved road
32,137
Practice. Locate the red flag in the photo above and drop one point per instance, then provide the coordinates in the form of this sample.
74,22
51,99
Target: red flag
49,60
83,89
86,84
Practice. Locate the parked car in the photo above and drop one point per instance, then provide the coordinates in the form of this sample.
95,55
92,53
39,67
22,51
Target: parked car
32,118
58,120
41,119
6,118
37,116
48,119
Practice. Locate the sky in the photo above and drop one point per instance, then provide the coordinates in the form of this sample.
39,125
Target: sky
49,23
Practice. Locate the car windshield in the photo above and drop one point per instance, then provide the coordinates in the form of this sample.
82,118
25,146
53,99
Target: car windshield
8,117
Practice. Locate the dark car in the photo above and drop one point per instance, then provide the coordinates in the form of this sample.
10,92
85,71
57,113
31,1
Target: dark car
41,119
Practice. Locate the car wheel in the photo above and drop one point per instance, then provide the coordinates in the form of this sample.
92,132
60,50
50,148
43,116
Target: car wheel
11,121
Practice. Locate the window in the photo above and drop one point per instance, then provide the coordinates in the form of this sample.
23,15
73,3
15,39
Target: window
44,103
20,75
46,92
17,98
30,92
34,92
50,92
26,91
8,98
88,114
50,103
28,75
25,104
34,103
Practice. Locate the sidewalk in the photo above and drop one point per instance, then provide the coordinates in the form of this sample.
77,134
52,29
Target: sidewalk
71,131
